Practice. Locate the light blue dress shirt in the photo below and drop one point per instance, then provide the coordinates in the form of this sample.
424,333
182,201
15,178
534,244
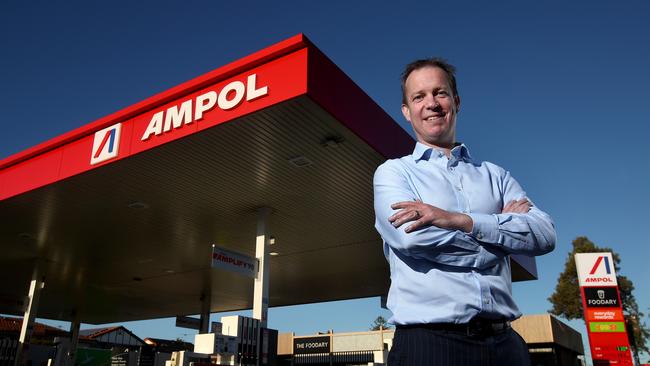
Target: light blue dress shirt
446,276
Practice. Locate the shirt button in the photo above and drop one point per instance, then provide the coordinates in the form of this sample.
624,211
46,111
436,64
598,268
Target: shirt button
479,235
459,189
486,300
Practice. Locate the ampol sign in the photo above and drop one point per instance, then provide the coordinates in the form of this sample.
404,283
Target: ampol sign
596,269
601,303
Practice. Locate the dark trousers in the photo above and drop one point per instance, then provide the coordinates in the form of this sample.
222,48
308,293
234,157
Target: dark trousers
429,347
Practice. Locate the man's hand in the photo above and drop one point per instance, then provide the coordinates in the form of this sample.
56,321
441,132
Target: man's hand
517,206
423,215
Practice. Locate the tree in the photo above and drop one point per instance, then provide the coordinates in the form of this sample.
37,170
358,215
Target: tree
380,323
566,298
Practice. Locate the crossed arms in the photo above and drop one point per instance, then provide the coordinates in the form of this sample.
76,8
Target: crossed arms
478,240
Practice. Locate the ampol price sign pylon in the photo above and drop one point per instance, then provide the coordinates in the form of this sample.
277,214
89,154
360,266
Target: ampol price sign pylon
603,310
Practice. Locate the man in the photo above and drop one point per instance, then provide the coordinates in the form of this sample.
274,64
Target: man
449,224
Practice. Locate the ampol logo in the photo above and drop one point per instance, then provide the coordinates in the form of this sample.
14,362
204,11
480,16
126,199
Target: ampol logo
106,144
595,269
604,260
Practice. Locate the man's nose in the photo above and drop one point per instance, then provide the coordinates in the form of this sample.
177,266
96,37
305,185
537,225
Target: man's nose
431,102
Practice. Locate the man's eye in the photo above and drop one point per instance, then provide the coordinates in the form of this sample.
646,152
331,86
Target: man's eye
417,98
443,92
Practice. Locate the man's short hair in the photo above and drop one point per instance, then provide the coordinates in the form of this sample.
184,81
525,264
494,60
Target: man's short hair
438,62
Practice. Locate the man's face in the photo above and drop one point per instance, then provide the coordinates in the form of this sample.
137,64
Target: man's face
431,107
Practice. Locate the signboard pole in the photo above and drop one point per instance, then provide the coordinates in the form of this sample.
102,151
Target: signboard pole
261,290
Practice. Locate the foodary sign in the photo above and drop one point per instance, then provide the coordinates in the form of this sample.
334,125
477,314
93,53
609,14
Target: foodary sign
595,269
311,345
601,297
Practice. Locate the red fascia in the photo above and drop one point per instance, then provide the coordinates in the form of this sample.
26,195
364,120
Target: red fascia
335,92
326,84
255,59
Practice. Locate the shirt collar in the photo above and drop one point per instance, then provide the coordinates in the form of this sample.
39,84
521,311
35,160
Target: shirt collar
422,151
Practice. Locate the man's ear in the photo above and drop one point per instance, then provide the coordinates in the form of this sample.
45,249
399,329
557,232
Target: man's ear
406,112
457,100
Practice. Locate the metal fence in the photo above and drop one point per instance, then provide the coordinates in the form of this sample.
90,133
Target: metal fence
336,358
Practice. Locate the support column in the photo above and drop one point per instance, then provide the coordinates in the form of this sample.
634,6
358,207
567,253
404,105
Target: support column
206,299
261,292
74,340
35,287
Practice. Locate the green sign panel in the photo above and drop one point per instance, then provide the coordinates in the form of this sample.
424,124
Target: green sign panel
607,327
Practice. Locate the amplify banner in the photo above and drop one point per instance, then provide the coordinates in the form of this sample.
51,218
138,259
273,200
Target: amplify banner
603,311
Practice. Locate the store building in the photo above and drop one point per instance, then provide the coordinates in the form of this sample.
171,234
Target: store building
550,341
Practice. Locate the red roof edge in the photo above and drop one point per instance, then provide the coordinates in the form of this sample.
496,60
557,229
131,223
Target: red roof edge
272,52
100,332
14,324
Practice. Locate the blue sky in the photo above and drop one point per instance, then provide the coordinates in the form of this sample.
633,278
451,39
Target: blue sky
555,92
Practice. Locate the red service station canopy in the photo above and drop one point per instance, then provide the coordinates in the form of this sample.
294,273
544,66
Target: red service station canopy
120,215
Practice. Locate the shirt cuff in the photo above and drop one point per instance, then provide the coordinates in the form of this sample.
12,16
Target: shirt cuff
486,227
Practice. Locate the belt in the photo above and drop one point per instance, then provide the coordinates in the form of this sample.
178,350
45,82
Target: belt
476,327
